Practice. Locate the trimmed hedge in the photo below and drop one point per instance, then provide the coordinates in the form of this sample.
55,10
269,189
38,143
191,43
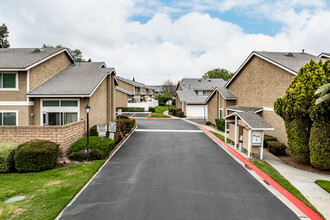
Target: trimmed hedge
298,132
208,123
7,150
36,155
176,112
98,149
276,147
131,109
152,109
319,145
268,138
129,123
220,122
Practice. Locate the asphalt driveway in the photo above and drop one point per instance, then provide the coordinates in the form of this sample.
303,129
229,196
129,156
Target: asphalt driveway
174,175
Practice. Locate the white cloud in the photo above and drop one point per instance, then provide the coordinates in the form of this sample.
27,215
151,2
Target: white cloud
163,48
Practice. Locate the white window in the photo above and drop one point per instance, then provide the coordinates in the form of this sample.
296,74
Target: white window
59,112
200,92
220,113
137,89
8,81
8,118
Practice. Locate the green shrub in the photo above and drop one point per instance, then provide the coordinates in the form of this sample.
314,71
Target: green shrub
208,123
180,114
161,104
98,149
298,131
129,123
131,109
268,138
276,147
220,122
7,162
319,145
152,109
36,155
93,131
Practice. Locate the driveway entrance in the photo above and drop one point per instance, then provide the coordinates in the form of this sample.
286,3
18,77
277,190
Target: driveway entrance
168,169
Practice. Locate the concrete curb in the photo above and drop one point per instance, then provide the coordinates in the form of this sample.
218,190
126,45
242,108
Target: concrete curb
91,179
294,200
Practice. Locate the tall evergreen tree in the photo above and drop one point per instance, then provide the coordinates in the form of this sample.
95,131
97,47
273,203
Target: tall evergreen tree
4,34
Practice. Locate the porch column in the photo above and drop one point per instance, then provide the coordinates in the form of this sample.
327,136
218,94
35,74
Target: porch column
225,131
262,146
235,131
249,144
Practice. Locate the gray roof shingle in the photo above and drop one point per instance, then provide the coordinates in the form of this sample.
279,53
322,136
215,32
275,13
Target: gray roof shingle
22,58
254,121
124,91
134,83
294,62
239,108
79,80
227,93
190,85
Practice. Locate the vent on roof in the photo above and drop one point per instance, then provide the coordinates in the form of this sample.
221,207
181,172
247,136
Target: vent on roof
37,50
209,80
289,55
199,80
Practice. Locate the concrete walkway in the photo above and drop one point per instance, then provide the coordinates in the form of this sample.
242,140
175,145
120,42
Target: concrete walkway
303,180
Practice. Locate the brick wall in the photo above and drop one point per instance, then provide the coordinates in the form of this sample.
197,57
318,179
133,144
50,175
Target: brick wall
63,135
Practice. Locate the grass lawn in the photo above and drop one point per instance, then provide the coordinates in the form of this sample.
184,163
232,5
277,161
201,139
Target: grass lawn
159,112
46,193
221,137
275,175
324,184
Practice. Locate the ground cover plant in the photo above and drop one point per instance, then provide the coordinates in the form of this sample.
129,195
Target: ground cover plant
221,137
159,112
46,193
324,184
7,163
275,175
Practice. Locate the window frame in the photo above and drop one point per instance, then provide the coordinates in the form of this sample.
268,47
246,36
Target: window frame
221,110
9,111
16,82
59,109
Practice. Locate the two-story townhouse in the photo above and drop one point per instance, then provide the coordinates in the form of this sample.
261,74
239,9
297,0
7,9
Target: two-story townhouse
46,87
140,90
259,81
191,94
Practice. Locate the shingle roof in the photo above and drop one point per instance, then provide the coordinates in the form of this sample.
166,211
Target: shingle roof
22,58
124,91
327,55
239,108
226,93
190,85
294,62
155,87
252,120
79,80
288,61
134,83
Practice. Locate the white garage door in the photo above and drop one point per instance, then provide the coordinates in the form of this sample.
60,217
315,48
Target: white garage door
197,111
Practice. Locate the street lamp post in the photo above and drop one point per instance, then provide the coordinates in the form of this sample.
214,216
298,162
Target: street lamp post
87,108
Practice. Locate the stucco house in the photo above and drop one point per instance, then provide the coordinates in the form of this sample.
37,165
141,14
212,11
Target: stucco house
46,87
191,94
258,82
131,91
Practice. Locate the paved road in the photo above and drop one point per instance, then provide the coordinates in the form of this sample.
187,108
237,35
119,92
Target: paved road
174,175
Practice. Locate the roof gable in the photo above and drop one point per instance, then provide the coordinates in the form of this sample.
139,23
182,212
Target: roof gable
290,62
27,58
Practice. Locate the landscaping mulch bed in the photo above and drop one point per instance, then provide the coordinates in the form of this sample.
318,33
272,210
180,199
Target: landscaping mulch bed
300,163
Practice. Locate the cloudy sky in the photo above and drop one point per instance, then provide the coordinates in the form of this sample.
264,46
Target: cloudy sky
155,40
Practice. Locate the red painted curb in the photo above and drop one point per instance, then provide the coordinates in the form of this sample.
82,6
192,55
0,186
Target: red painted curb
299,204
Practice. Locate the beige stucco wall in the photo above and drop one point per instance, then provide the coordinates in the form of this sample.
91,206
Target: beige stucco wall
98,104
126,86
121,99
259,84
212,107
19,95
23,113
44,71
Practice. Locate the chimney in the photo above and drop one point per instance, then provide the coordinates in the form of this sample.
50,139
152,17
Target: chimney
74,57
303,51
